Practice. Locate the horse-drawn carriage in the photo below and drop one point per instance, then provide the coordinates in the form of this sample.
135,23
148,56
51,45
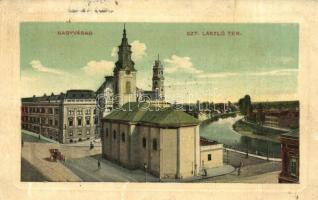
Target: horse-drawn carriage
56,155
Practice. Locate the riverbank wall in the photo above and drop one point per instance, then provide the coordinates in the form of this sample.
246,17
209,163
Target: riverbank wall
217,117
242,125
275,158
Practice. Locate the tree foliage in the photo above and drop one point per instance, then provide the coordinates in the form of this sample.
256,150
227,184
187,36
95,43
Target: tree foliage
245,105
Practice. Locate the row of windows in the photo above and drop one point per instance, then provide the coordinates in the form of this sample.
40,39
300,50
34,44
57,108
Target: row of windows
80,112
42,120
79,132
144,140
80,121
39,110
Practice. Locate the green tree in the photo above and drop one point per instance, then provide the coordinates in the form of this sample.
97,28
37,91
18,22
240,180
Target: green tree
245,105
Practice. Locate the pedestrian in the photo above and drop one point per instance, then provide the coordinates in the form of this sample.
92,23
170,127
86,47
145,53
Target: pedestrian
98,164
205,172
91,145
239,168
239,171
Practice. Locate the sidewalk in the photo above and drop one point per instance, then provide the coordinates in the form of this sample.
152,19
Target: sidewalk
219,171
86,143
87,169
33,137
212,172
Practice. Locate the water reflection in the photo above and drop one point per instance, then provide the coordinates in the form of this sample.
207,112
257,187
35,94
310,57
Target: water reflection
223,132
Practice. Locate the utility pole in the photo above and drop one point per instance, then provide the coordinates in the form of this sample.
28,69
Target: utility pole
247,149
227,156
40,128
267,150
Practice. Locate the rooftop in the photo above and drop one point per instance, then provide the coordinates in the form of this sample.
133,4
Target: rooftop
52,97
147,113
108,80
70,94
206,142
80,94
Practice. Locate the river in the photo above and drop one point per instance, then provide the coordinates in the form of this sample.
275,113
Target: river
222,132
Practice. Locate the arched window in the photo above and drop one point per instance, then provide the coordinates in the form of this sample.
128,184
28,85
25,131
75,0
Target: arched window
114,135
144,142
123,137
106,132
128,87
154,144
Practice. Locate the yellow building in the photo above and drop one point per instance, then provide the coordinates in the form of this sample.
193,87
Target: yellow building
163,139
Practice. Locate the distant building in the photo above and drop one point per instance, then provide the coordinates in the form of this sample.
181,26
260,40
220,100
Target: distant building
282,119
290,158
66,118
163,139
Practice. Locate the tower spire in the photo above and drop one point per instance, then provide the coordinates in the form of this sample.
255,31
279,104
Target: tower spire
124,32
158,56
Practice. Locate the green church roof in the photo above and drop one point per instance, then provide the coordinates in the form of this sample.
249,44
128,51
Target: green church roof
145,113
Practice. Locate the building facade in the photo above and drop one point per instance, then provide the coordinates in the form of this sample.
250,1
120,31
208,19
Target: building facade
288,119
66,118
164,140
290,158
42,115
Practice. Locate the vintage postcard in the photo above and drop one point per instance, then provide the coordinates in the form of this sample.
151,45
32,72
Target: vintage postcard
152,100
159,102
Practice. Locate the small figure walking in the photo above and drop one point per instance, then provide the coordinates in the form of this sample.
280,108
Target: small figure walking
91,146
239,168
205,172
98,164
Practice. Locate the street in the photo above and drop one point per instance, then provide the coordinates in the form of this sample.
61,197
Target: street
81,164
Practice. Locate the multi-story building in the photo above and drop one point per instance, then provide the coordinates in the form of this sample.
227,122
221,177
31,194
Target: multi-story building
42,115
290,158
66,118
282,119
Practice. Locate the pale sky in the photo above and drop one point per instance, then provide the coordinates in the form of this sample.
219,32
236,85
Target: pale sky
261,61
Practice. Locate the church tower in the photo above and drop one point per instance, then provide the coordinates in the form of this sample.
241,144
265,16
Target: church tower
158,79
124,74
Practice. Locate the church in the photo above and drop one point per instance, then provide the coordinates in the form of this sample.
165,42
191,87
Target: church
139,130
121,88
